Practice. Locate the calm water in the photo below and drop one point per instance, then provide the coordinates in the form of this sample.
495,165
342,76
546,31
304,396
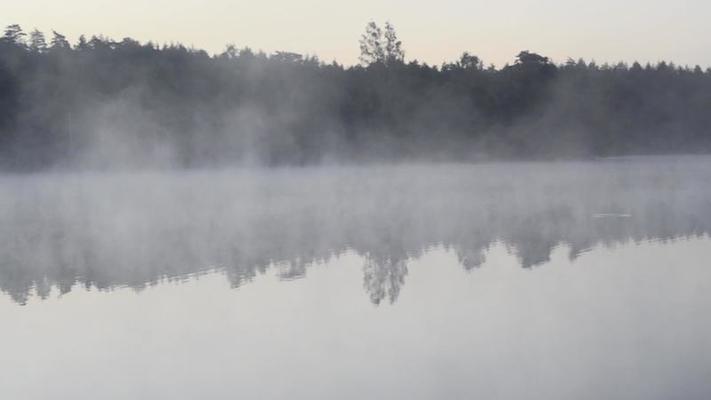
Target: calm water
569,280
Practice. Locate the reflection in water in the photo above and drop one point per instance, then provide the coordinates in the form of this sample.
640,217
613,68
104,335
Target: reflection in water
108,231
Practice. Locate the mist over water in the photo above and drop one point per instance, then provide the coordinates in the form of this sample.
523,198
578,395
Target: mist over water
180,225
105,104
542,280
108,230
500,280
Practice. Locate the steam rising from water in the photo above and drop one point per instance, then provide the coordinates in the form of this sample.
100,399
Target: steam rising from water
135,229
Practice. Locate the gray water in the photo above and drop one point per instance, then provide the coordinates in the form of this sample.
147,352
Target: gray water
562,280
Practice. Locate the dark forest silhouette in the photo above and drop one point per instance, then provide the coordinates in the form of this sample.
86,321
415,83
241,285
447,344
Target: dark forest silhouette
101,102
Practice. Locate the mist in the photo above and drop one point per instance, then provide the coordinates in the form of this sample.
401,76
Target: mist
108,230
102,104
175,223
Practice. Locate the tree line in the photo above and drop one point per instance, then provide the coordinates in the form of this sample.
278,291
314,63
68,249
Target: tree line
103,103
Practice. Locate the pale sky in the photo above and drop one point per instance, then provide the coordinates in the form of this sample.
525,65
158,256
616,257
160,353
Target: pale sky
603,30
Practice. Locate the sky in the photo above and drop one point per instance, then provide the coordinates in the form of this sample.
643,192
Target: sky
432,32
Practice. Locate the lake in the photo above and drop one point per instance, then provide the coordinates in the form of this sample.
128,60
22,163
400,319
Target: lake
535,280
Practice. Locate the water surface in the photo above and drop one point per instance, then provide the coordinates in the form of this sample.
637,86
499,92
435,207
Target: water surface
522,280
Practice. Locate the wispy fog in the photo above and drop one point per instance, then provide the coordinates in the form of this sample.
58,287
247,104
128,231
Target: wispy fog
530,198
115,229
105,104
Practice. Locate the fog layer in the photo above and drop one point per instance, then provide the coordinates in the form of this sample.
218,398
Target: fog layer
103,104
110,230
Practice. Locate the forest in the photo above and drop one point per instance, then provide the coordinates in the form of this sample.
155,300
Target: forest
100,103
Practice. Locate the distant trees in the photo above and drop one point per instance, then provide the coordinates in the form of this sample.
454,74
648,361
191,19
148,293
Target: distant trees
528,58
103,102
37,41
380,45
468,61
59,42
14,35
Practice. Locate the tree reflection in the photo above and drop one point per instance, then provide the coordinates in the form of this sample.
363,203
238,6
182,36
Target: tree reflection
99,232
